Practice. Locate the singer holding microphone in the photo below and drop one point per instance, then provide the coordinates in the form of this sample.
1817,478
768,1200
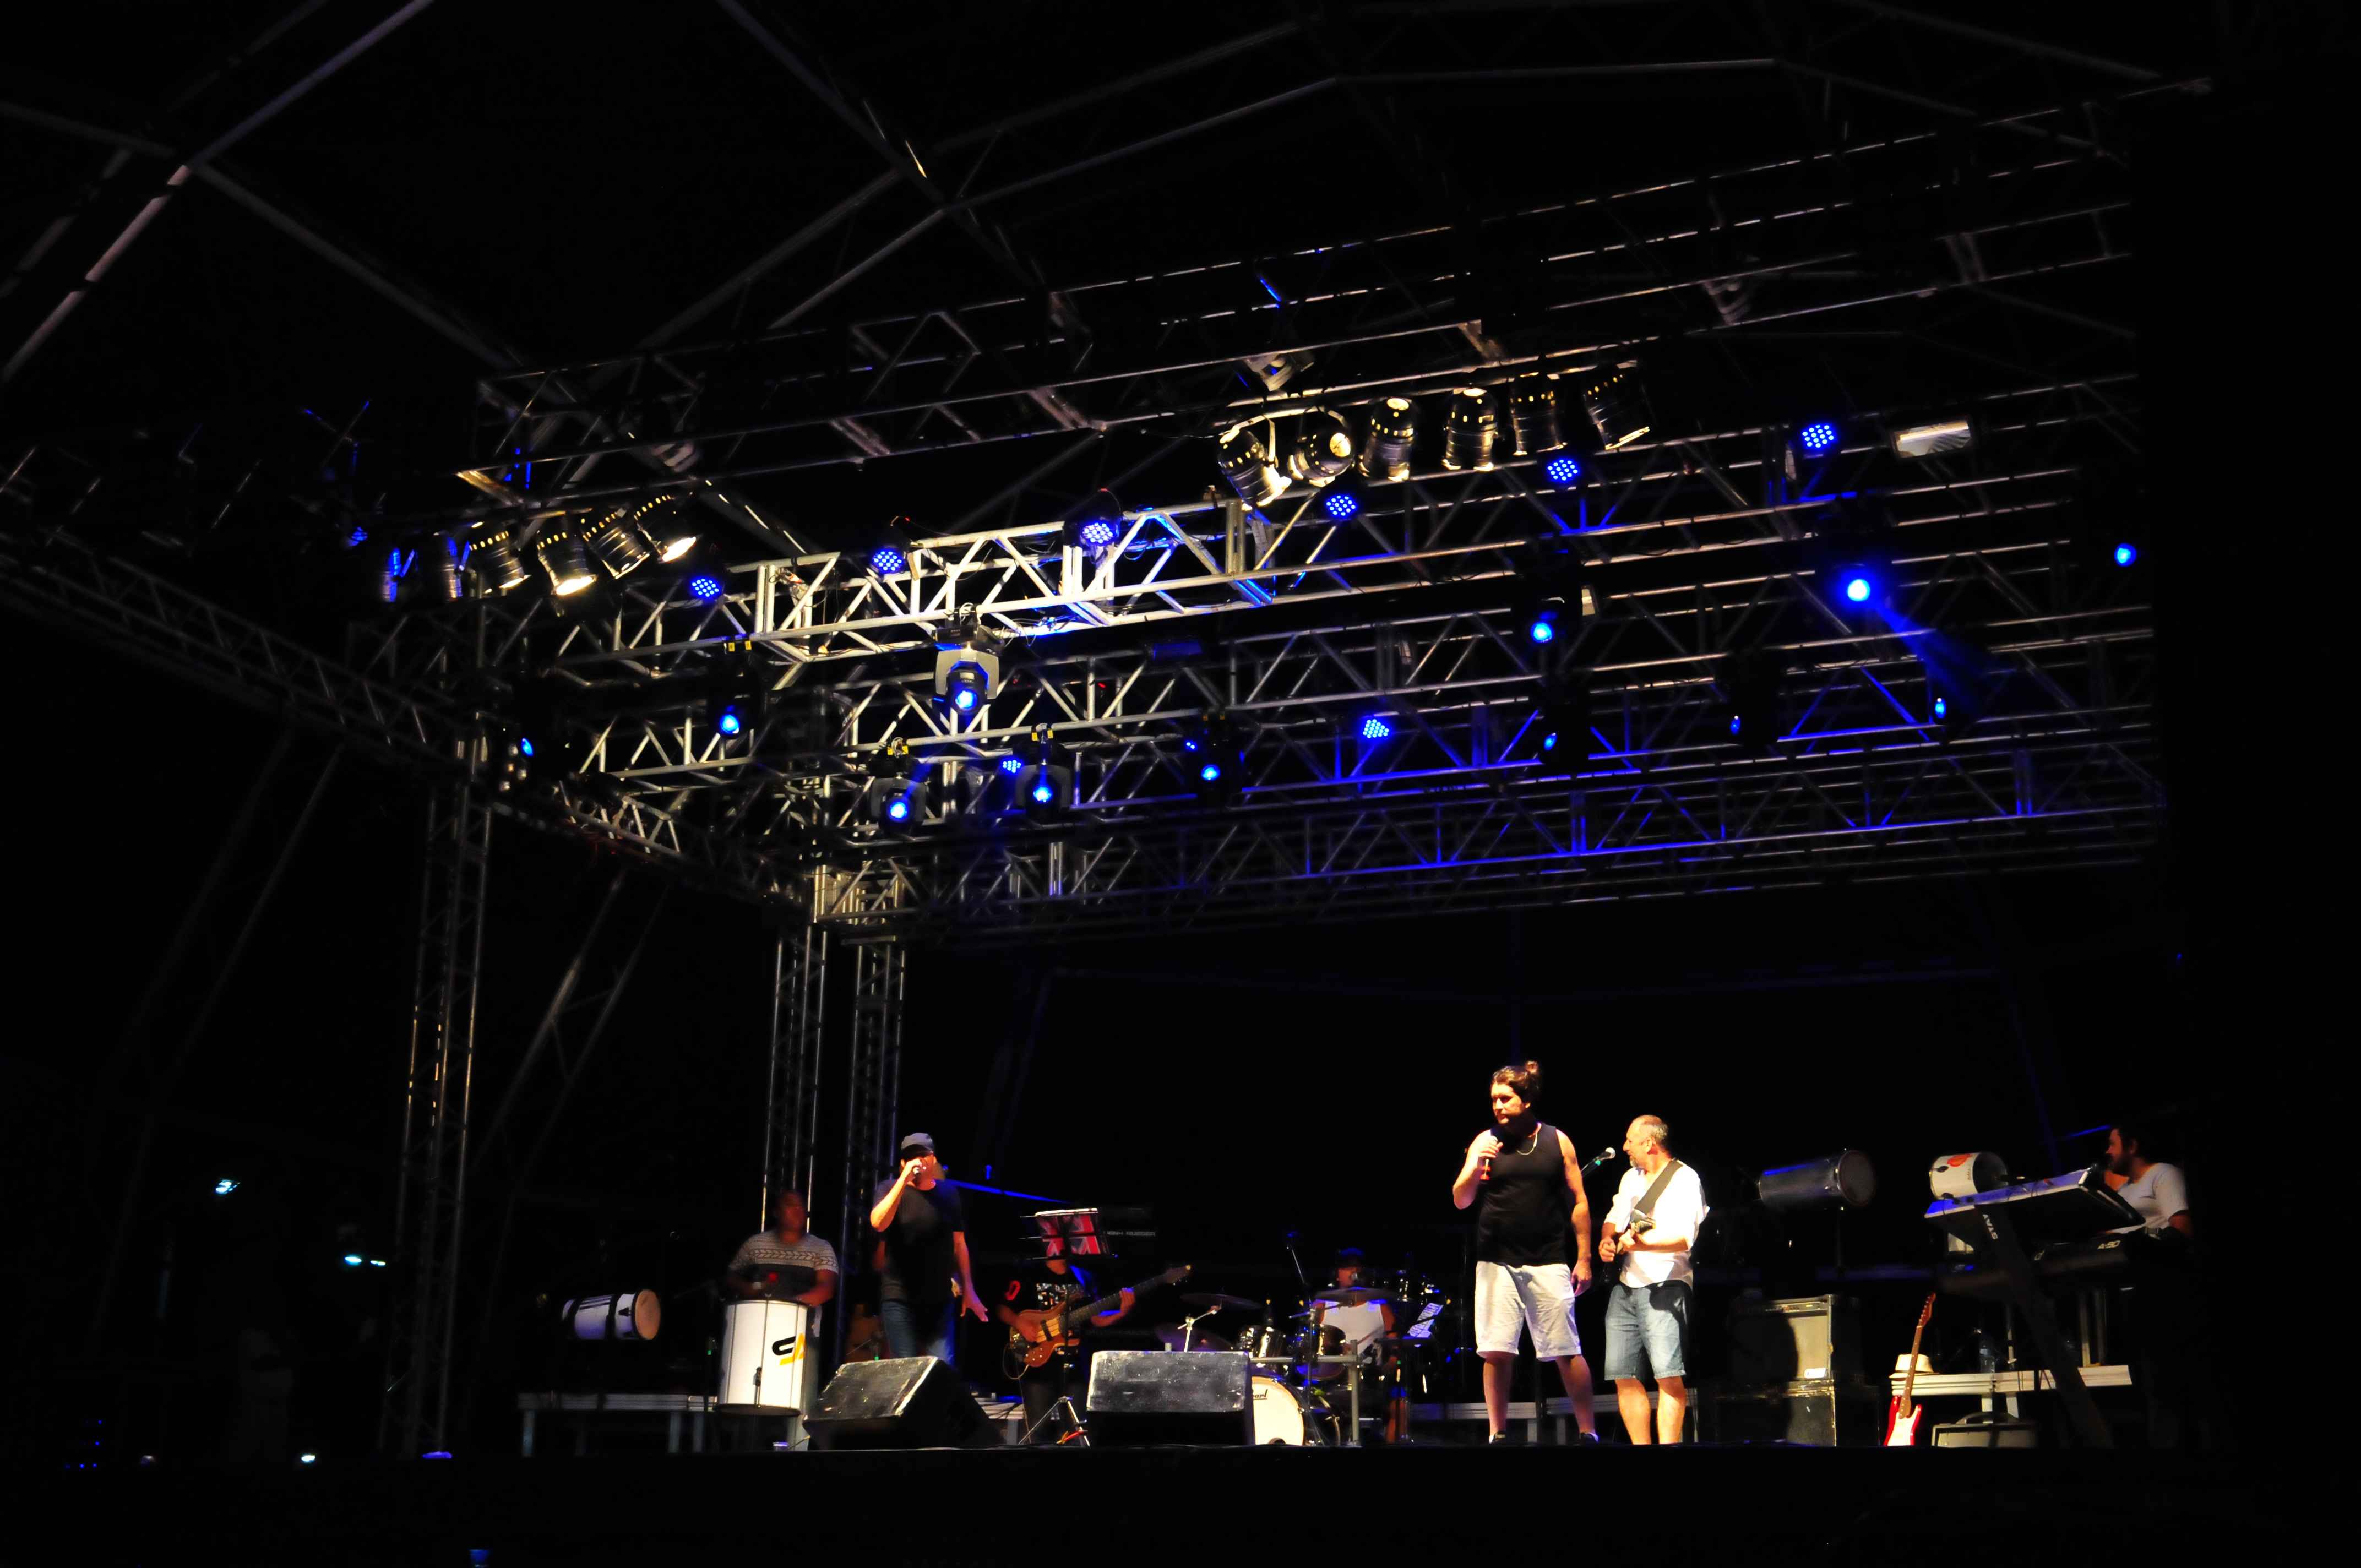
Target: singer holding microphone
1523,1181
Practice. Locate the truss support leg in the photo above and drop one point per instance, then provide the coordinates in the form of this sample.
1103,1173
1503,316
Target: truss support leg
791,1121
873,1086
430,1197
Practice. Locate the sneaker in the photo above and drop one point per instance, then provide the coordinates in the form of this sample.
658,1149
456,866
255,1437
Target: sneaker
1585,1440
1497,1438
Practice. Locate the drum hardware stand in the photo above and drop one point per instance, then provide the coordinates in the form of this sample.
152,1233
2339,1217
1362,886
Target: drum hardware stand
1189,1324
1079,1433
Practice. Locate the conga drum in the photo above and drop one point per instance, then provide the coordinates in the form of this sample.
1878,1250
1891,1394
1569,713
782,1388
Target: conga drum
765,1356
620,1314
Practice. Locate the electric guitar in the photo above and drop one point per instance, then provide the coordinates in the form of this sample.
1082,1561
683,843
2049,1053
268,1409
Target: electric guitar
1026,1351
1902,1418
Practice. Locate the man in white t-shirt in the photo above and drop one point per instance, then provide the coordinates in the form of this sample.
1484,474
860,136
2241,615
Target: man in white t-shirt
1648,1310
2158,1191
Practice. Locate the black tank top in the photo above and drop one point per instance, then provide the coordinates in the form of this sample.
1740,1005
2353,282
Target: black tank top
1523,1213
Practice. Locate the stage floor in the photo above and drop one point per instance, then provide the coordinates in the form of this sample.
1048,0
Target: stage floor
1224,1505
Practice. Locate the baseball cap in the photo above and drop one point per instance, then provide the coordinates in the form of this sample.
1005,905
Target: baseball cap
916,1143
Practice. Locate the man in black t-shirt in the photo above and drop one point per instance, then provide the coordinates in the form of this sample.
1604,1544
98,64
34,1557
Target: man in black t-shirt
1525,1183
1038,1288
926,1271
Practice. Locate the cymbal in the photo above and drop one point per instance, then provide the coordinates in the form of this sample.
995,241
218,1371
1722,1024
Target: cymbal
1350,1295
1216,1299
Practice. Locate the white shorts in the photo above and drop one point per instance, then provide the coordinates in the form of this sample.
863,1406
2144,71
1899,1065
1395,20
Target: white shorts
1513,1296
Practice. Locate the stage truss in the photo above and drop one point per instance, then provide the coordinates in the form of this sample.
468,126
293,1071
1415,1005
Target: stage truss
1695,549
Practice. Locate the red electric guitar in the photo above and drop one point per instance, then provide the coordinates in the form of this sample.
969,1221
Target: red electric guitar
1902,1418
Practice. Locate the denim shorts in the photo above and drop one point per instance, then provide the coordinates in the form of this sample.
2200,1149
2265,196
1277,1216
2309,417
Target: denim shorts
1648,1330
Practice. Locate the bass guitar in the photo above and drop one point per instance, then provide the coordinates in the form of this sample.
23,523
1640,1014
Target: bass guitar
1037,1335
1902,1418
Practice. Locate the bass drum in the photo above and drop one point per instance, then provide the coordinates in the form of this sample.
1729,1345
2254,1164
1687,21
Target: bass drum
1277,1414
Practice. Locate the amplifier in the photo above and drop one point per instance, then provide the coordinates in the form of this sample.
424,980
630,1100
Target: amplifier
1803,1339
1824,1413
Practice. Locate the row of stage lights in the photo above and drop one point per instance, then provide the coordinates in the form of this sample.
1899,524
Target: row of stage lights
493,557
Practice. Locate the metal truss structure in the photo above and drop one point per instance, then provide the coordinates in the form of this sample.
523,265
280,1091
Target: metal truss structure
872,1096
1969,225
430,1196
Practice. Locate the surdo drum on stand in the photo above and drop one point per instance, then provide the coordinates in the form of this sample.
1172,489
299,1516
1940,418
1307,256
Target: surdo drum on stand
765,1356
621,1315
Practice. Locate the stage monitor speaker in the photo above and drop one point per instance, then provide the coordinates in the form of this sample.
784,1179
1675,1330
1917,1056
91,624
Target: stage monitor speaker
915,1402
1170,1396
1986,1431
1799,1339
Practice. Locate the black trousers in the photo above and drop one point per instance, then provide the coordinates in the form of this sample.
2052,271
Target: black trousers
1065,1375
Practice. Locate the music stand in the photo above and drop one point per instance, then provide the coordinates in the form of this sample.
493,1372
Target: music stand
1091,1232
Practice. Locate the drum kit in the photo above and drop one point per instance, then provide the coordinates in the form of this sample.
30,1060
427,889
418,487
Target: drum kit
1309,1373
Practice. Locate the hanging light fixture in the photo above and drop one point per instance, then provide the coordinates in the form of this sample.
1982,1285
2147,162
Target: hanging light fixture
568,565
1470,429
1245,464
661,522
450,558
1323,447
1394,428
1533,416
496,558
621,544
1618,406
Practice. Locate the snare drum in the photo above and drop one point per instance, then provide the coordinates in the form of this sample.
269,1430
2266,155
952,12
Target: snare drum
766,1355
1277,1414
622,1315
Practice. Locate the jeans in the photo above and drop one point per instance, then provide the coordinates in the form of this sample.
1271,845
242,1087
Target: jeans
1648,1330
918,1332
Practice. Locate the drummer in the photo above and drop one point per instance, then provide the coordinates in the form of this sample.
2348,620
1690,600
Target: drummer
786,1263
1366,1326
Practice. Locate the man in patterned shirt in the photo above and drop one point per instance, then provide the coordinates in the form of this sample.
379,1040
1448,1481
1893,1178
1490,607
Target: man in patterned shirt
788,1264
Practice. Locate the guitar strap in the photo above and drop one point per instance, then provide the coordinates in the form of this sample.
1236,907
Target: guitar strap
1647,1203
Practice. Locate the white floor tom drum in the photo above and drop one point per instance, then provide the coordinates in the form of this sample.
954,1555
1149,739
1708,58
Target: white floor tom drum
1277,1414
766,1356
620,1314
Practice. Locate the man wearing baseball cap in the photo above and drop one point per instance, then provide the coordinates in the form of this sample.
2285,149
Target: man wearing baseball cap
926,1269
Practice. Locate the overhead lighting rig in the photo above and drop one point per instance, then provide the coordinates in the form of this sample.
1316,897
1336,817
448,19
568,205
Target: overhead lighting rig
493,553
1471,428
1533,416
1211,760
563,559
1751,682
622,545
1245,462
1394,431
1618,406
1322,448
1933,440
967,668
1561,728
1044,785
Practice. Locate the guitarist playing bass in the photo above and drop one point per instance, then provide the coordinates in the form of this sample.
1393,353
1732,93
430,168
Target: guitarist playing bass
1039,1288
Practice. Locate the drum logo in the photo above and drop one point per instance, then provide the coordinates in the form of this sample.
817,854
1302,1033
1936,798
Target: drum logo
788,1349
